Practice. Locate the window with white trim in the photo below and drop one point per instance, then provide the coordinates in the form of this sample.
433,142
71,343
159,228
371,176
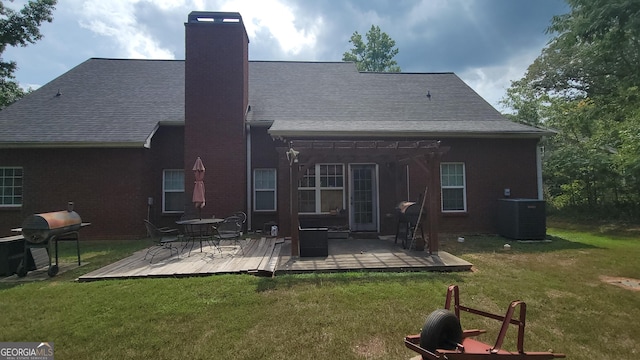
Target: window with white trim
454,193
173,191
10,186
264,189
321,189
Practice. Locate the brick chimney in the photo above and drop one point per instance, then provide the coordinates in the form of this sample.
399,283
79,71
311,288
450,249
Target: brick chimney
216,99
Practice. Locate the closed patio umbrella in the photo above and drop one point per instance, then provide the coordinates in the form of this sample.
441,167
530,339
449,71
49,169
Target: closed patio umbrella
198,189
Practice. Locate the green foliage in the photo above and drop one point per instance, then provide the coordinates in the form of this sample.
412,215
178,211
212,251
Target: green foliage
19,29
528,104
584,85
596,49
376,55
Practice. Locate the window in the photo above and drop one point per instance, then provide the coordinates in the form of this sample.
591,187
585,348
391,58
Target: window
264,189
173,191
10,186
454,196
321,189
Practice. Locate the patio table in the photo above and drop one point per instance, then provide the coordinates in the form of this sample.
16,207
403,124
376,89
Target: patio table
198,230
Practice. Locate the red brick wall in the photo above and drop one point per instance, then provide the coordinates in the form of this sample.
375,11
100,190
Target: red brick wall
491,165
393,189
104,184
216,98
264,156
166,152
109,187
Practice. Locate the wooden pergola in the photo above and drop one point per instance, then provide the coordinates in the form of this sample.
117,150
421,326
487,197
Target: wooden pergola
426,154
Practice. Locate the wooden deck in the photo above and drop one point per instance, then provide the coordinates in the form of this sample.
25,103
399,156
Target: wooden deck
270,257
380,254
259,257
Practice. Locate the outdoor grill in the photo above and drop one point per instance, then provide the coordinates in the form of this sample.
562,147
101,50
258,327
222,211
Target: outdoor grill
407,213
41,230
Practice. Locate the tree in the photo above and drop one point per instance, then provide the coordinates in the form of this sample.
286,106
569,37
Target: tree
596,49
584,85
376,55
19,28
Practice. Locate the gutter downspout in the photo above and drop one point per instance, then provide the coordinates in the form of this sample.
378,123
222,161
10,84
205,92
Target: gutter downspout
406,167
248,142
539,150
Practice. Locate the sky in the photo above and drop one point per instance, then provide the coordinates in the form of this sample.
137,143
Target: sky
487,43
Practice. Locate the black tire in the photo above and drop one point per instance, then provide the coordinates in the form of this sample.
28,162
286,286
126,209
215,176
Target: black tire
441,330
21,270
53,270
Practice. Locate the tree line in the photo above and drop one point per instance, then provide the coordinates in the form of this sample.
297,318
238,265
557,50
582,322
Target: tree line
585,85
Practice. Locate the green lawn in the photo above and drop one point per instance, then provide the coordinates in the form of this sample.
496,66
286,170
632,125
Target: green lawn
336,316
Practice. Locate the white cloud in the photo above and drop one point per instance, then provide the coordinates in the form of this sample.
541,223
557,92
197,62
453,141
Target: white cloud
116,19
279,20
491,82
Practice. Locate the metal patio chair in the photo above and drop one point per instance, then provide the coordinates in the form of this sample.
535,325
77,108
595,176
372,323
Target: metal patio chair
163,238
229,229
241,215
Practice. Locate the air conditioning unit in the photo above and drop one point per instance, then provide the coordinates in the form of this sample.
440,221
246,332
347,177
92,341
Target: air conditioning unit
522,219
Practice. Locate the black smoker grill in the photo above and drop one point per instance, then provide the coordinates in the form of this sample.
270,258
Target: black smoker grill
40,230
407,213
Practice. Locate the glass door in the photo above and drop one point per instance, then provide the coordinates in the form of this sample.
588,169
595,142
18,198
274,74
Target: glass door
363,198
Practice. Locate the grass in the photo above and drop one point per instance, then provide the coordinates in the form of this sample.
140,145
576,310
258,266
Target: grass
337,316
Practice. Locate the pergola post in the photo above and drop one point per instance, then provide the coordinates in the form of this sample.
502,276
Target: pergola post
433,211
292,156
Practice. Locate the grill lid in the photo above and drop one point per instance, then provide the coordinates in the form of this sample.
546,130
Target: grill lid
51,220
41,227
408,207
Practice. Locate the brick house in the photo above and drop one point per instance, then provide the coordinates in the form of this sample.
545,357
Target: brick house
119,138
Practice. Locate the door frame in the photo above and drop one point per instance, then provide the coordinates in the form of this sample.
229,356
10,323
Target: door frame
375,192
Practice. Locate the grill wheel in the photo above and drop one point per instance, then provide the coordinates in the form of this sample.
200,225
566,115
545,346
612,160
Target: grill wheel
21,271
53,270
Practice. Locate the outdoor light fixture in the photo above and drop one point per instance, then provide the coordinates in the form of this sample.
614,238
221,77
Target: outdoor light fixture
292,156
428,95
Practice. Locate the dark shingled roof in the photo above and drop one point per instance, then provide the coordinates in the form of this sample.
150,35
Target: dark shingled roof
334,99
114,103
102,102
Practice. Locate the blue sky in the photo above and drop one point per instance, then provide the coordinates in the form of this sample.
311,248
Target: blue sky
487,43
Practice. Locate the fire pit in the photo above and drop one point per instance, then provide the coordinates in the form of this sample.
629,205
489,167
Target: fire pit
43,230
